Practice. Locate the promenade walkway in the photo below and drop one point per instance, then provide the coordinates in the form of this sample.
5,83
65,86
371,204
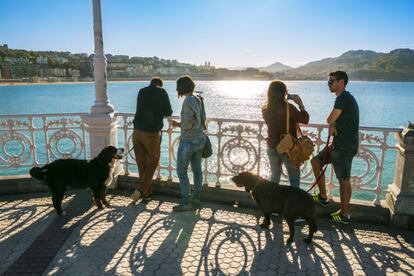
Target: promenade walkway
214,240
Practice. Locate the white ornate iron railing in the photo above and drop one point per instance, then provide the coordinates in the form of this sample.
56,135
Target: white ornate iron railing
33,140
240,145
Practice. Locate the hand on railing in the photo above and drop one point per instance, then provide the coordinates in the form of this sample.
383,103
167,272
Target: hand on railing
332,130
174,123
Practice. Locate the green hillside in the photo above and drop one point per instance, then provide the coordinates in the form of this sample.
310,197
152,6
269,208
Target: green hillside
398,65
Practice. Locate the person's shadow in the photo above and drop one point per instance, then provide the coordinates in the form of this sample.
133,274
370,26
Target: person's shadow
160,251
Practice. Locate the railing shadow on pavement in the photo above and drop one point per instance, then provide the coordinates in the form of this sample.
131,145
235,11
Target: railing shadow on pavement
19,225
45,234
214,240
382,251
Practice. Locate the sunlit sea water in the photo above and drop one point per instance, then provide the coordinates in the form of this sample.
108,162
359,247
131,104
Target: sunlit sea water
382,104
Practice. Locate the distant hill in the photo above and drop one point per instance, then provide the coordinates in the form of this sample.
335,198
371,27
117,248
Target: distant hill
398,65
275,68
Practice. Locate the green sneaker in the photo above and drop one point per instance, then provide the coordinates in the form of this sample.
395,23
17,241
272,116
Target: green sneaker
338,217
183,208
336,212
318,199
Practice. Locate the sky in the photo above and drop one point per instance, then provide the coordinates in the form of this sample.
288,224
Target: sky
227,33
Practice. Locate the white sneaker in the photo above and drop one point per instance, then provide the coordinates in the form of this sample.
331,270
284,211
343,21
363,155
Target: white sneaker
136,195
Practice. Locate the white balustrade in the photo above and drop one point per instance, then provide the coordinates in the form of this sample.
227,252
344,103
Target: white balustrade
238,145
34,140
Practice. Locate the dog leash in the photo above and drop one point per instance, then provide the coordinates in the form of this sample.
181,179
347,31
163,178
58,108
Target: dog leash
125,154
325,158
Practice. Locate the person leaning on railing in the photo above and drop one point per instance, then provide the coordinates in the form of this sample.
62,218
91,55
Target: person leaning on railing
153,104
274,114
192,141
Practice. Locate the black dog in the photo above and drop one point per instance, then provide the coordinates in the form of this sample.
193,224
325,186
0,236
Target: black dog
289,202
77,173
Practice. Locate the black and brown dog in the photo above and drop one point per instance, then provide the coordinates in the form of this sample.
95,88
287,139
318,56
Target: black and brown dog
289,202
78,173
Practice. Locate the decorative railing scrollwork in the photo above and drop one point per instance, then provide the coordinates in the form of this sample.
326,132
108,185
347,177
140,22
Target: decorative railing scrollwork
33,140
240,145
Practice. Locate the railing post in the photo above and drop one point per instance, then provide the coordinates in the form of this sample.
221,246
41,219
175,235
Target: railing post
400,194
102,122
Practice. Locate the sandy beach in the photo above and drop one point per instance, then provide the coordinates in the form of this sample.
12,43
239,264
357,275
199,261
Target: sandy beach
41,83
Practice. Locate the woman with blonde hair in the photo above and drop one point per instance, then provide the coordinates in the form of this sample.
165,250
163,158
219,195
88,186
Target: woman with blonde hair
274,114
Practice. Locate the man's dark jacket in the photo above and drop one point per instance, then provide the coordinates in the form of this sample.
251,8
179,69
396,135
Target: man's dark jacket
153,105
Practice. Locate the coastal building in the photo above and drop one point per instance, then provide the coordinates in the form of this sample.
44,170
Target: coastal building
16,60
166,71
6,71
74,72
41,60
57,72
207,66
60,60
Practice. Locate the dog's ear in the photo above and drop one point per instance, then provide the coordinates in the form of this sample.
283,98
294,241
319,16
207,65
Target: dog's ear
107,154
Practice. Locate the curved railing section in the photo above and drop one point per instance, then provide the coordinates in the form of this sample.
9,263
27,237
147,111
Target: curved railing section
240,145
33,140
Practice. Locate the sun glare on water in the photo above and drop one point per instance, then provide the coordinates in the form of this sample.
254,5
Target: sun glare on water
236,89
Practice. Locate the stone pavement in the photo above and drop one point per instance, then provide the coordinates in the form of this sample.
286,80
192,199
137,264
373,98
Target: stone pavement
215,240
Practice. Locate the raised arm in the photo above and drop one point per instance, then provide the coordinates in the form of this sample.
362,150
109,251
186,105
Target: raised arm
167,110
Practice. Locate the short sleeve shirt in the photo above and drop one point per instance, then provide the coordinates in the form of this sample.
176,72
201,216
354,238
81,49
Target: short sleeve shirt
347,124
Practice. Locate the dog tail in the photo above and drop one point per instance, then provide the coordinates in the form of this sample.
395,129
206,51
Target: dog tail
39,173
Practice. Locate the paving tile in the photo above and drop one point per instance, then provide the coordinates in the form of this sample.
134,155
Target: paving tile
152,240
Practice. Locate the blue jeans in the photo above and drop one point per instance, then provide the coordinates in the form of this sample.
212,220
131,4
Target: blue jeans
190,152
276,160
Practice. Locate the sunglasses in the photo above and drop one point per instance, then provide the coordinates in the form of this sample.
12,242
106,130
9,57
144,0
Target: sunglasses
330,82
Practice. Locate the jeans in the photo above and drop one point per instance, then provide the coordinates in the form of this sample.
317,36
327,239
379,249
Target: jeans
276,160
190,152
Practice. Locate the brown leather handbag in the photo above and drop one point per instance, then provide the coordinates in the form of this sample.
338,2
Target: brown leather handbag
298,150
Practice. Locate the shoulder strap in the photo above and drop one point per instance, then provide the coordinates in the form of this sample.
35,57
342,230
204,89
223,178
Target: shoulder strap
202,112
299,130
287,117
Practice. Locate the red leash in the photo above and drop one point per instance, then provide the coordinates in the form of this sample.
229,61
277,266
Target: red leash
325,159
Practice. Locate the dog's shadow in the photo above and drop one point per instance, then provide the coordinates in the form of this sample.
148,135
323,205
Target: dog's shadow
297,256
